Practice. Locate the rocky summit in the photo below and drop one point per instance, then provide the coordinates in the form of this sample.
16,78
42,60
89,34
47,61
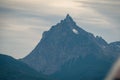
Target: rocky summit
67,52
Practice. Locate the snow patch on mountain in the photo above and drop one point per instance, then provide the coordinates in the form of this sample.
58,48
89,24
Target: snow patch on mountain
75,31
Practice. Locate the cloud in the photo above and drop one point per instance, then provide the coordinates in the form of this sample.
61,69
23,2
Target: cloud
107,16
108,8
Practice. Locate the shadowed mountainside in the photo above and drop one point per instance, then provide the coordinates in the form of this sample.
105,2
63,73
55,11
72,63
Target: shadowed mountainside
68,52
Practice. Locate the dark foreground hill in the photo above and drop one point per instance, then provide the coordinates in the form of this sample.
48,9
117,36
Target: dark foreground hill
12,69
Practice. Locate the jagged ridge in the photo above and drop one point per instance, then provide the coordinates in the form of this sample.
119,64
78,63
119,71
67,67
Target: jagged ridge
66,41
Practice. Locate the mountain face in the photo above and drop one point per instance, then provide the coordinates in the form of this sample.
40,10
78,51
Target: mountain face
12,69
67,52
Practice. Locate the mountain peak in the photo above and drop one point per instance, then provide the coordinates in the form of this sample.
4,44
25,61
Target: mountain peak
68,18
65,27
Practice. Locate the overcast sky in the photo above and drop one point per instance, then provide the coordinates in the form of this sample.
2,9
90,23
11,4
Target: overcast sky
22,22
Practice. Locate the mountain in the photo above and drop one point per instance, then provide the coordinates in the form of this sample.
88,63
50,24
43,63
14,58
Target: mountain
12,69
67,52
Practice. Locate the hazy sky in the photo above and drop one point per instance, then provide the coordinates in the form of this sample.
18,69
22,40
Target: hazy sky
22,22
